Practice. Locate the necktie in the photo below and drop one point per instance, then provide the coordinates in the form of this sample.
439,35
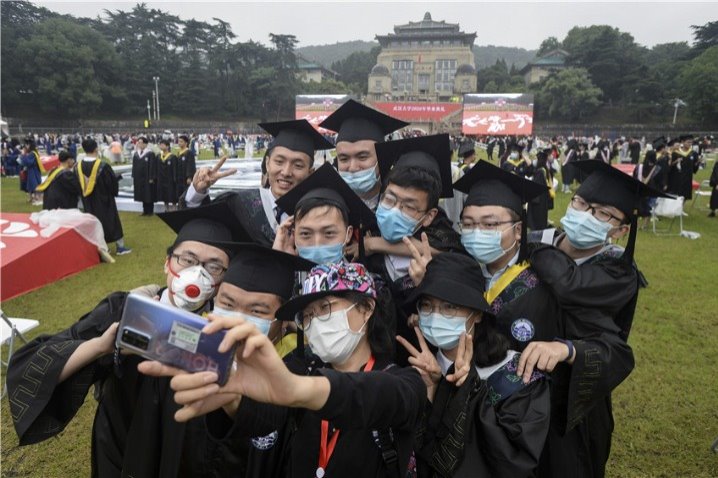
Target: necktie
278,214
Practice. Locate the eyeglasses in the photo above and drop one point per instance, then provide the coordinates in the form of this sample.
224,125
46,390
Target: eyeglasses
213,267
426,307
484,226
390,201
323,310
602,215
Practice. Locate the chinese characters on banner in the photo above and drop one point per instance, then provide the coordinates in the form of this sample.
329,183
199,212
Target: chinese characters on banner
316,108
418,112
498,114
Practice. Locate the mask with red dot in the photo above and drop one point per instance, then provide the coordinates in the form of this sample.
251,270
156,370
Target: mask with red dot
192,287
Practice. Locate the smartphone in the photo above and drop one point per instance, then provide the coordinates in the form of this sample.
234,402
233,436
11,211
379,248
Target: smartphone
172,336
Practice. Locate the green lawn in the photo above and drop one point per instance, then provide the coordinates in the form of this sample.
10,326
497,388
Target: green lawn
666,414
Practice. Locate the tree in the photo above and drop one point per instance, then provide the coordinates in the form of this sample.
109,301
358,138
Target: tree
567,95
71,69
698,86
354,69
705,36
608,55
548,45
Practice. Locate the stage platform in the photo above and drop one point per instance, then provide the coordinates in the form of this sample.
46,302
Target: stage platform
29,261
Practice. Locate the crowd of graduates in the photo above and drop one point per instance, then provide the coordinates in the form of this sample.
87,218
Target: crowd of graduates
378,333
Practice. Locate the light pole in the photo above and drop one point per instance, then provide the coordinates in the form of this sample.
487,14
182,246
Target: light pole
149,117
154,103
157,95
678,102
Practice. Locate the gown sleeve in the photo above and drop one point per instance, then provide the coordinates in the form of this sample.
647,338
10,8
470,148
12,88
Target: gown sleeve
40,406
378,399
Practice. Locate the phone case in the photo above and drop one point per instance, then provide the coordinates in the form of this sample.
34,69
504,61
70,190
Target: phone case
172,336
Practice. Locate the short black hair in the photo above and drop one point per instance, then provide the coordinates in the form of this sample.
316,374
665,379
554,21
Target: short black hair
64,156
166,142
306,205
89,145
143,139
184,138
419,178
490,345
381,327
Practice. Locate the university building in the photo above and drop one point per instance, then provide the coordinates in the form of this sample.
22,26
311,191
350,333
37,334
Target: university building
424,61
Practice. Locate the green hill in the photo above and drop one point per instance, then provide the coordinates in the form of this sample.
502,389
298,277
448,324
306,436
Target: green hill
486,55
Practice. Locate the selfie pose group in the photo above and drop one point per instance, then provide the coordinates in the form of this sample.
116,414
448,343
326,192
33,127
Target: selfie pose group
368,334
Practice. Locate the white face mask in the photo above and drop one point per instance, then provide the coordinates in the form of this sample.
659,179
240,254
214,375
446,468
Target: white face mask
331,338
192,287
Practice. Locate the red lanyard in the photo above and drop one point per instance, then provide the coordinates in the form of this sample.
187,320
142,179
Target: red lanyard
326,449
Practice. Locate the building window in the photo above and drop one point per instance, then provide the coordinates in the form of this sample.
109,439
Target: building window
402,73
423,81
465,85
445,71
377,84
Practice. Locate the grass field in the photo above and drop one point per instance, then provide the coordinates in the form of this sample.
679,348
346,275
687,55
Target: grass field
666,413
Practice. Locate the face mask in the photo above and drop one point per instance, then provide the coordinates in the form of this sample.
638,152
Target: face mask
331,339
326,254
583,230
442,332
484,246
262,324
361,181
394,225
192,287
514,156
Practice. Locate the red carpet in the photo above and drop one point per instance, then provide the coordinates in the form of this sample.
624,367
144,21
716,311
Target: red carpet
30,261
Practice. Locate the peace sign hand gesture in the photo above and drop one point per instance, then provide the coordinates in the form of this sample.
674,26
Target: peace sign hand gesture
420,258
424,362
206,177
464,356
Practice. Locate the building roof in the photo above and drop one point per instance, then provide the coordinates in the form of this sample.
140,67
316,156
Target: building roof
380,69
304,64
427,29
466,69
555,58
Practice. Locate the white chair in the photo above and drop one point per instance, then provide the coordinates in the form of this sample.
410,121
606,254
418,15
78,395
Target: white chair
10,328
670,208
704,191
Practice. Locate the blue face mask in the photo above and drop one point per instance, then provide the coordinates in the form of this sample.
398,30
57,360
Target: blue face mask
361,181
326,254
583,230
262,324
440,331
484,246
394,225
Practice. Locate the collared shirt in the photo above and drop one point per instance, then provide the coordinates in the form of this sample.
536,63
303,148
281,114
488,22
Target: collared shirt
484,372
581,260
492,278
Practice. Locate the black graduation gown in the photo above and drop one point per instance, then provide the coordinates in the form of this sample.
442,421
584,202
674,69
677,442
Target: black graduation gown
568,170
187,168
169,179
596,299
680,175
101,203
144,176
714,182
134,432
485,428
284,442
537,214
248,208
63,192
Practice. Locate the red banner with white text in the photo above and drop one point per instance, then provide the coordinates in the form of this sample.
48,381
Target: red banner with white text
418,112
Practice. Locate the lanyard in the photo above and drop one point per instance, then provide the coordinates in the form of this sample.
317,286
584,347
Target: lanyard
326,449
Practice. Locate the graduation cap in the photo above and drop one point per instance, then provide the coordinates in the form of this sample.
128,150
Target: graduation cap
454,278
214,225
489,185
297,135
604,184
659,143
467,149
325,183
355,122
431,153
685,137
256,268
